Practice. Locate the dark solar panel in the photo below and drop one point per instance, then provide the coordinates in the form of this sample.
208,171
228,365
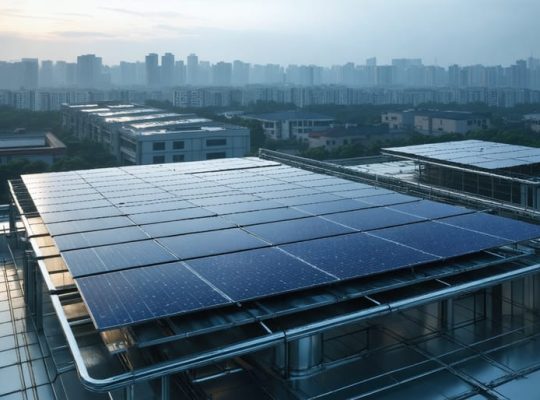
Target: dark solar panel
172,215
115,257
143,294
308,199
63,216
86,225
356,255
211,243
264,216
490,224
182,227
244,207
329,207
389,199
442,240
99,238
81,205
296,230
430,209
373,218
258,273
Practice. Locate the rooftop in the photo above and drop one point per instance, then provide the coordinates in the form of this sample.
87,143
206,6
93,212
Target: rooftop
21,142
471,153
295,115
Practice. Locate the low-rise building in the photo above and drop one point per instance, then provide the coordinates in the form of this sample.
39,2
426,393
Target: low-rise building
283,125
338,136
144,135
533,121
36,146
436,122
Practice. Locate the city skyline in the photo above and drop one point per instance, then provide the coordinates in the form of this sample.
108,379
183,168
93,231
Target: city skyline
315,32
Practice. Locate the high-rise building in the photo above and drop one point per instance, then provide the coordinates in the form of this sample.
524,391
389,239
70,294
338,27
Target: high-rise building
128,73
46,73
29,73
222,74
179,73
152,69
192,69
240,73
167,69
88,71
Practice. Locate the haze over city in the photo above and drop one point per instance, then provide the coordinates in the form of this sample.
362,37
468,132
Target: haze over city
306,32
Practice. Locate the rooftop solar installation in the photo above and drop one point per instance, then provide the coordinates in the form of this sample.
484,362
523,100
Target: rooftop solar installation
148,242
475,153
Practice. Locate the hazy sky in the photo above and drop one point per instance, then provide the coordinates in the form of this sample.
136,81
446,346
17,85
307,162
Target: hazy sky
322,32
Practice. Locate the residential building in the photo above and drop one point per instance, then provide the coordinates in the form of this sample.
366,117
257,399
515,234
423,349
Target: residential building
88,72
152,70
144,135
284,125
167,70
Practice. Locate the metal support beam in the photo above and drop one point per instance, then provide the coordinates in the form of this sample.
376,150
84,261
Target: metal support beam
165,387
446,314
305,354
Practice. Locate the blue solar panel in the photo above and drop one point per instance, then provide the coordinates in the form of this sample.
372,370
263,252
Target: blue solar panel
98,260
442,240
356,255
490,224
182,227
430,209
278,194
264,216
308,199
329,207
172,215
389,199
258,273
373,218
365,192
234,198
64,216
99,238
143,294
159,206
244,207
211,243
81,205
86,225
296,230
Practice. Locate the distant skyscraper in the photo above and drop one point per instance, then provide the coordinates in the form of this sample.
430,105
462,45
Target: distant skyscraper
371,62
192,69
222,74
29,73
152,69
46,73
453,75
179,73
167,69
88,71
128,73
204,73
240,73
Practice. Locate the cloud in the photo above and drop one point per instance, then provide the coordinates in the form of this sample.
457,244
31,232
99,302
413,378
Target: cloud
161,14
82,34
16,13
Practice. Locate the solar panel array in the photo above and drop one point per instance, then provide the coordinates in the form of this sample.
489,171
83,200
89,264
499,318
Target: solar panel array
147,242
476,153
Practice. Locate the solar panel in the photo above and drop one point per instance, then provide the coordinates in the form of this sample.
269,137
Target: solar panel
442,240
373,218
430,209
329,207
182,227
86,225
80,214
258,273
244,207
389,199
133,296
297,230
356,255
172,215
264,216
307,199
115,257
516,231
72,206
99,238
210,243
156,206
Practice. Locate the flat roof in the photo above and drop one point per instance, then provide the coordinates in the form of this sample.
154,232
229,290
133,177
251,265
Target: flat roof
471,153
21,141
171,239
291,115
180,121
127,119
115,112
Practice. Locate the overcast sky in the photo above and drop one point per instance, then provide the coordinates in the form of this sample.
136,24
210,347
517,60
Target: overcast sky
322,32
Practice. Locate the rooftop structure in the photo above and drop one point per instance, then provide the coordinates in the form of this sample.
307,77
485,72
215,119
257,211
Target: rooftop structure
291,124
143,135
251,278
42,146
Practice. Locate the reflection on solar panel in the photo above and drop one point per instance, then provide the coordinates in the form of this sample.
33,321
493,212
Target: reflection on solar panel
476,153
246,228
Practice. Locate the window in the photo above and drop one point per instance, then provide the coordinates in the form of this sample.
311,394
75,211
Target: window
213,156
157,146
178,157
216,142
178,145
159,159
